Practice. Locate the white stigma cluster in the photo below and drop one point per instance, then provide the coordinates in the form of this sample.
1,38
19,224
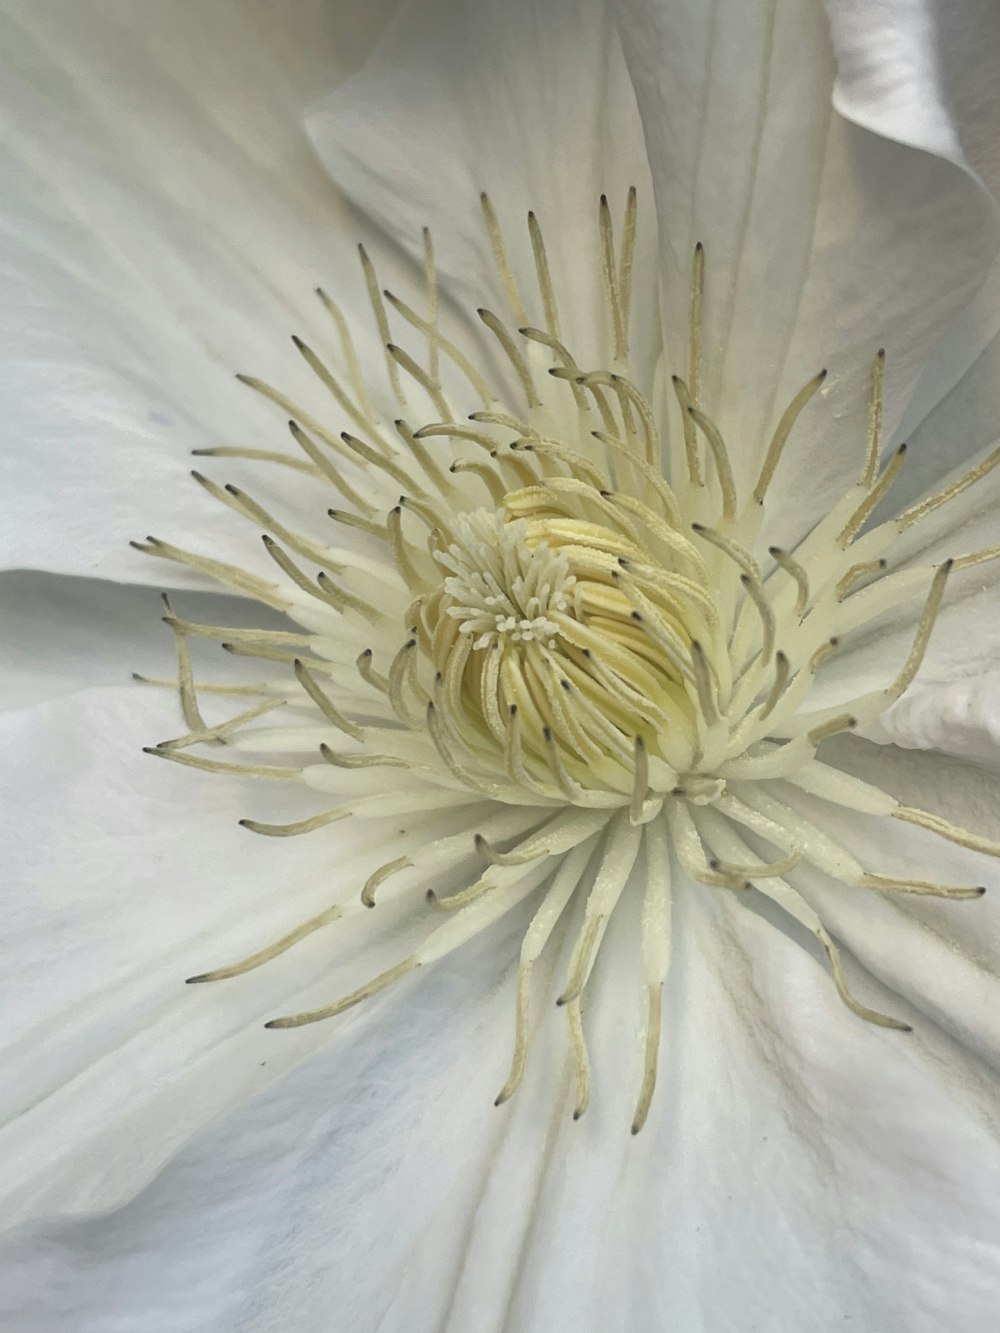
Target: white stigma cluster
501,589
560,617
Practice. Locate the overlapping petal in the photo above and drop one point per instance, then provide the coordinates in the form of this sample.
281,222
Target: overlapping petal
165,223
824,240
774,1200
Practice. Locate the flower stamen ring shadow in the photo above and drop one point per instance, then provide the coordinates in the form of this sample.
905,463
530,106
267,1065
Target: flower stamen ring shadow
561,616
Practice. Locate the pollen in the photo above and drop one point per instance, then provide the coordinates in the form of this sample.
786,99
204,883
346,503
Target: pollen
542,599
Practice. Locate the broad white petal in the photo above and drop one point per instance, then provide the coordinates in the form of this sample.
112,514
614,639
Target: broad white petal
829,229
165,223
799,1167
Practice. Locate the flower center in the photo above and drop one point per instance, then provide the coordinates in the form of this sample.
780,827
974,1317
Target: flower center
560,674
601,658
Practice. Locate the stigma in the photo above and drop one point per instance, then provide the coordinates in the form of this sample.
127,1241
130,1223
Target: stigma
543,598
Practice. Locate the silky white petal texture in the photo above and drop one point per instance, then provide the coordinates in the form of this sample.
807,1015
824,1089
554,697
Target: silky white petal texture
823,239
920,70
960,718
164,222
132,875
775,1203
923,70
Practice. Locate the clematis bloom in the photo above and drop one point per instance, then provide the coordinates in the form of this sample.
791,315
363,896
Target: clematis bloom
679,523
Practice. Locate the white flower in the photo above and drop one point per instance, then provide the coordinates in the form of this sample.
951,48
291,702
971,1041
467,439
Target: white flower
797,1165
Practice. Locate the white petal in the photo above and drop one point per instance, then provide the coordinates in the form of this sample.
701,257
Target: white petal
528,101
823,239
165,223
130,876
922,73
960,718
799,1168
957,49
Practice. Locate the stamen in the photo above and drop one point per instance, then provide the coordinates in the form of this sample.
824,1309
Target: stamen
486,474
381,321
564,885
581,1060
823,654
919,886
322,701
188,694
640,782
327,469
695,473
257,455
502,262
628,255
944,828
221,766
796,571
292,409
356,521
398,356
369,675
975,558
286,942
394,527
875,413
300,825
720,457
363,759
513,355
755,592
920,511
218,733
610,272
781,434
840,981
379,983
350,356
867,506
695,306
544,276
439,342
271,594
650,1059
620,852
781,673
924,627
363,420
855,573
737,553
703,684
379,876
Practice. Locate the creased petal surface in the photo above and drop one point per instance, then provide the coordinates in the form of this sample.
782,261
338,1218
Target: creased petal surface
165,222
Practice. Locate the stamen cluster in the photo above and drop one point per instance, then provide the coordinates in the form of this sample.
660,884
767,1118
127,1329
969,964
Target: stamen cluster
561,615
